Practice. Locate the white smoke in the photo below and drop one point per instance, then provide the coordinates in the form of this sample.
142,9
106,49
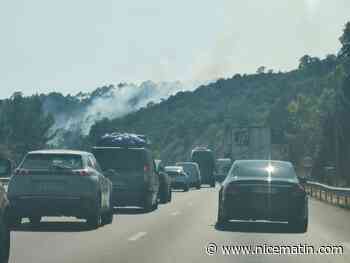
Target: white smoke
120,101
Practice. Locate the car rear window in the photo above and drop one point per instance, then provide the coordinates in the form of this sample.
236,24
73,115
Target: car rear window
121,159
189,168
264,169
173,174
52,161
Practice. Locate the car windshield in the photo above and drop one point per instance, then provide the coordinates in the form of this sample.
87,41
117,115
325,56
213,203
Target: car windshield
52,161
120,158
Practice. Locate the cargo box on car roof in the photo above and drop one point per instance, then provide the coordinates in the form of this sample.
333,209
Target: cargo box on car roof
117,139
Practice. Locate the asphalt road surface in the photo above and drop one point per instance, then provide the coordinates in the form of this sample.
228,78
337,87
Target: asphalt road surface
176,232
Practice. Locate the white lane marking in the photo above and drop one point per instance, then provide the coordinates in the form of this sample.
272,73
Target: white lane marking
175,213
137,236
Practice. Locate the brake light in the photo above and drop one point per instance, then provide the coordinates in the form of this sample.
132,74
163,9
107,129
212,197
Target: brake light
82,173
21,172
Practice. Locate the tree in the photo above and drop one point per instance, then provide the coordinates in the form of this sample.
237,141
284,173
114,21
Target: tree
24,124
345,41
261,70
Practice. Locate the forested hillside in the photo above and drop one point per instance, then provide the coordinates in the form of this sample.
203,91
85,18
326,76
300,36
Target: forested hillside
307,109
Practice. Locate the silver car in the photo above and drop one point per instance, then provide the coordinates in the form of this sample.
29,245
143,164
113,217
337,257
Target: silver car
179,178
60,183
192,169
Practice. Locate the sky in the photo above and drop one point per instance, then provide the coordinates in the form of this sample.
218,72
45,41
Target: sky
70,46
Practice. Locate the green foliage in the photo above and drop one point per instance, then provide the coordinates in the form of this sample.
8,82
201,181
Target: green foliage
23,124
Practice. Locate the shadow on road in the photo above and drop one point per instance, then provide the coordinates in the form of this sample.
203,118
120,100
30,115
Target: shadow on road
53,227
255,227
129,211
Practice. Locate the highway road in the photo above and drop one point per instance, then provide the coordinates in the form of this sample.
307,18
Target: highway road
176,232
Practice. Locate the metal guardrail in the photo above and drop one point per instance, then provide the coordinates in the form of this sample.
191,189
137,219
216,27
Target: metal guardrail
334,195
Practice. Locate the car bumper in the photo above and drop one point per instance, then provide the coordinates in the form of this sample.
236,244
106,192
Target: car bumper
127,197
273,209
178,185
26,206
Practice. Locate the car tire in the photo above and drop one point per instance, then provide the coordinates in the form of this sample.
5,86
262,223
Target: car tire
222,220
163,198
148,204
14,221
155,205
94,220
107,218
35,220
4,242
299,226
170,195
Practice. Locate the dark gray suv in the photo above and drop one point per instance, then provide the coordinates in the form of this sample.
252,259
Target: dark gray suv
133,173
60,183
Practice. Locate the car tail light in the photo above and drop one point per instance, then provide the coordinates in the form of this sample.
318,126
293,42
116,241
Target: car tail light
231,189
82,172
21,172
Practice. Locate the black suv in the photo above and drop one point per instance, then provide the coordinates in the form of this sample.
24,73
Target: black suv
133,173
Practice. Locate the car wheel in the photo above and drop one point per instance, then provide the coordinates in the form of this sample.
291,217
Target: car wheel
155,205
14,221
222,220
170,194
107,218
94,220
300,226
4,242
148,204
163,198
35,220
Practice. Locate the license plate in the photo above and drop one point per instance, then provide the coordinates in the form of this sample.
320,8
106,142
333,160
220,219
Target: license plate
51,187
265,190
119,185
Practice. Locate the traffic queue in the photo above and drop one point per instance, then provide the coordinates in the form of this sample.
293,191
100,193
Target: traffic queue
121,170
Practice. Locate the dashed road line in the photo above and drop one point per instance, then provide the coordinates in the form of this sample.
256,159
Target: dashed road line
137,236
175,213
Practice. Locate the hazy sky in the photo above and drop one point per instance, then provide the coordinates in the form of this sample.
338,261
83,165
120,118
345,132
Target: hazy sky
78,45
